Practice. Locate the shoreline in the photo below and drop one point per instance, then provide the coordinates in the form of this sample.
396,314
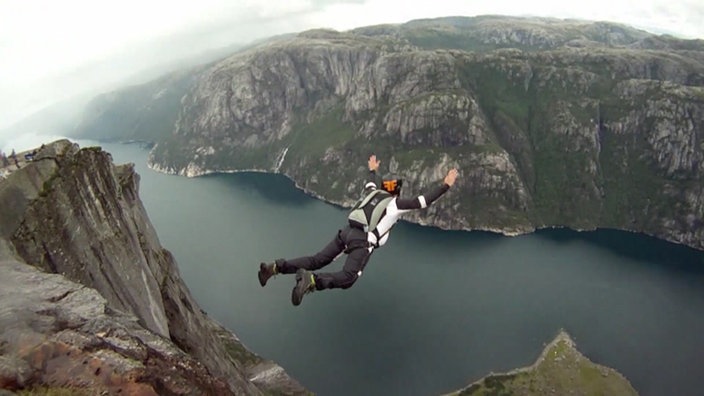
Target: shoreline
564,357
345,205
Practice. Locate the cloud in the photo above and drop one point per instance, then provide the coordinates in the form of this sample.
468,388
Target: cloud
26,142
45,44
52,50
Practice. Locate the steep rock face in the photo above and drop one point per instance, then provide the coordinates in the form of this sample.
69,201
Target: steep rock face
254,110
74,217
528,130
60,334
72,212
551,123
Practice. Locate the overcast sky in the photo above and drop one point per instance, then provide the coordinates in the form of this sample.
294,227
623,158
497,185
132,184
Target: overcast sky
52,50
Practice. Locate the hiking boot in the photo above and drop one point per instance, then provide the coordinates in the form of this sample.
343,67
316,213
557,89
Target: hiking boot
305,283
266,271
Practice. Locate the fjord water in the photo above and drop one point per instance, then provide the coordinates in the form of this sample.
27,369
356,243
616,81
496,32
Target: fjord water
434,310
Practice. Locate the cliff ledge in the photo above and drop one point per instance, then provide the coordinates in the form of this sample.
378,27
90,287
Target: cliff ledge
91,300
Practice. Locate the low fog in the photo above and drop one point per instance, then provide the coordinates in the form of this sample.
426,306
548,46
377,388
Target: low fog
53,104
59,55
46,95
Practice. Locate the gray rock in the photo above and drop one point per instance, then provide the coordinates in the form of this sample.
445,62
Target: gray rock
78,215
542,138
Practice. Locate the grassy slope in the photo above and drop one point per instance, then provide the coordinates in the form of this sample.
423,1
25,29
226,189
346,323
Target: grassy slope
560,370
554,173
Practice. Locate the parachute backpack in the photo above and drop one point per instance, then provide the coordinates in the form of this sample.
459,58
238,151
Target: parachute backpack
367,212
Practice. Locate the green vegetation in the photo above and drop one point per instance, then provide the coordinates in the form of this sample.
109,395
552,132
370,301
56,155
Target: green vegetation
529,34
572,120
240,354
631,184
445,39
325,130
560,370
237,352
555,162
48,184
496,91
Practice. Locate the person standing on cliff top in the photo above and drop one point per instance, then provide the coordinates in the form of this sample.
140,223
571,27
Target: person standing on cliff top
368,228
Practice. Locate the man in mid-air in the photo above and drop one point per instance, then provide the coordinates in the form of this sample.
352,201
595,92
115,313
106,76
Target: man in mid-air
368,228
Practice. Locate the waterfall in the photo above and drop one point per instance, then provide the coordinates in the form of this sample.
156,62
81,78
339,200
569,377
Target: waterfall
280,160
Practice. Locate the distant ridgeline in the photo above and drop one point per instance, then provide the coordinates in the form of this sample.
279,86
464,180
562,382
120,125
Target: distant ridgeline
551,122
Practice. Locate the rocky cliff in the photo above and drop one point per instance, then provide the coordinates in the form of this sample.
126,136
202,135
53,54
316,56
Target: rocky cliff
90,299
551,122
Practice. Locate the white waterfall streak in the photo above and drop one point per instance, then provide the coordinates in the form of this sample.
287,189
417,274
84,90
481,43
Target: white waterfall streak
280,160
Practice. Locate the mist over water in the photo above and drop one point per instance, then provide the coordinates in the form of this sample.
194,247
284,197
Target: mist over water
434,310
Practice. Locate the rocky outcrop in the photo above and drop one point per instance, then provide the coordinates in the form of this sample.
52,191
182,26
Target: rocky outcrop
60,334
560,370
71,212
551,123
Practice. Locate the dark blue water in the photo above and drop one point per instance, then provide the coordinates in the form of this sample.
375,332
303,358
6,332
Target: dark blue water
434,309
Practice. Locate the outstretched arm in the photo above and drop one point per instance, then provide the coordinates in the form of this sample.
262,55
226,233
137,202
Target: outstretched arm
374,177
422,201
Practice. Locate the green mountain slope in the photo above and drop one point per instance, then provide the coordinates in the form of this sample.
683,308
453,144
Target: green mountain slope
551,122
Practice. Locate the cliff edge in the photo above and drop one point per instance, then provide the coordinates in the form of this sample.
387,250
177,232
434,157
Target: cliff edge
90,298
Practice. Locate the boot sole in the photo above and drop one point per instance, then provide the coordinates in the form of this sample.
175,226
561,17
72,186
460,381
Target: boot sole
261,276
299,291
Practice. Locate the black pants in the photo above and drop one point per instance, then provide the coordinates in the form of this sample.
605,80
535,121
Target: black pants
350,240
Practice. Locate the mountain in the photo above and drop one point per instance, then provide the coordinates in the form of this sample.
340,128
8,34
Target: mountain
65,97
90,299
552,123
129,114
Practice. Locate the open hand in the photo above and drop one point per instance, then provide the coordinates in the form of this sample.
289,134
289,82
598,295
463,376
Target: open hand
373,163
451,176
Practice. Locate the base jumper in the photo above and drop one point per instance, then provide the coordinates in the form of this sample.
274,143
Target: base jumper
369,224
